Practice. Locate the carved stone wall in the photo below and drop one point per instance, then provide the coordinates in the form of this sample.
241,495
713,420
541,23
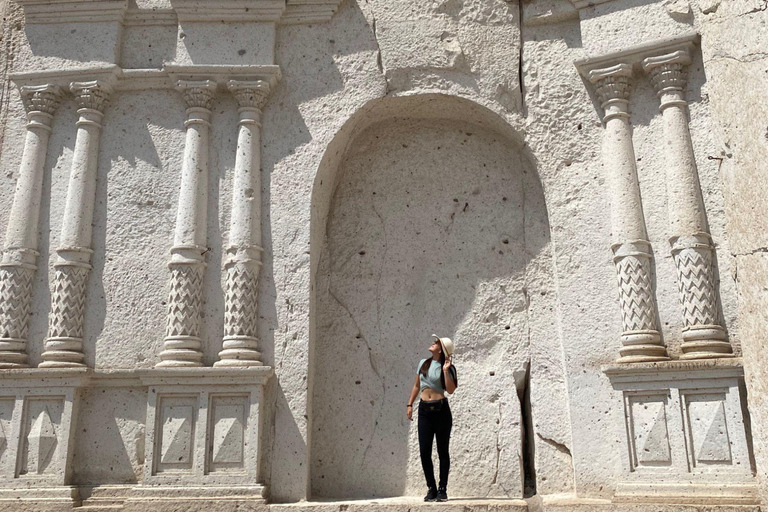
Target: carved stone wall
192,230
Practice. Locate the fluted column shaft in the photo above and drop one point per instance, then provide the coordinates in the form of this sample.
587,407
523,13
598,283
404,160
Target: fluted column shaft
243,263
19,261
182,344
64,345
640,338
703,334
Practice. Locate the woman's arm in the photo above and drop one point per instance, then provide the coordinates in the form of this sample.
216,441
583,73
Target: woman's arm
412,398
450,385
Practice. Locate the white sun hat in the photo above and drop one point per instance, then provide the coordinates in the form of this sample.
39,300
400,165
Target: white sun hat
446,343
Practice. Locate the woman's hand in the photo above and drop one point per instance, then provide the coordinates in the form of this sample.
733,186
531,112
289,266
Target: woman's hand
410,412
447,365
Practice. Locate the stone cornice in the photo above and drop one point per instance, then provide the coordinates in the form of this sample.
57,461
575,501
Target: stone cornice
73,11
150,17
291,12
635,55
309,11
149,79
49,377
64,77
583,4
217,11
664,370
223,74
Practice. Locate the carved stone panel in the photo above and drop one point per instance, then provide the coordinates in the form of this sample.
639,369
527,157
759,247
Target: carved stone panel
707,428
686,432
176,434
226,442
42,435
649,435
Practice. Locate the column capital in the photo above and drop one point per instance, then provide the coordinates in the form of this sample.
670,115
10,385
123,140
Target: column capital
668,71
41,98
93,95
612,83
250,94
197,93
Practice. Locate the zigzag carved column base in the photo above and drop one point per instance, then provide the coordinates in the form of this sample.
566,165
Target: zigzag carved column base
15,310
640,338
241,308
182,343
64,344
703,336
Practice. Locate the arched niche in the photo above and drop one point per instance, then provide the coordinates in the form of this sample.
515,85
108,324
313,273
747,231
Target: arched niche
427,216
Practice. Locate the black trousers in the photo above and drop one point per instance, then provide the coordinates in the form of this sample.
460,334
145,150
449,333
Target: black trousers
435,421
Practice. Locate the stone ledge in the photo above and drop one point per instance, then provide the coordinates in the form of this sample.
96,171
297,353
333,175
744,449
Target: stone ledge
47,377
675,370
635,54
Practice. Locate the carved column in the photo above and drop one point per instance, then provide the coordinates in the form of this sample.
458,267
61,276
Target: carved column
632,255
243,263
64,345
19,262
182,344
703,336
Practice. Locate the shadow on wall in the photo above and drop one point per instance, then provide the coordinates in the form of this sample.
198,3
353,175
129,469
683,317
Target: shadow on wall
420,224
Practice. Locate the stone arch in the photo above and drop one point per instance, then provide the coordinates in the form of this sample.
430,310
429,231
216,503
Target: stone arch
427,215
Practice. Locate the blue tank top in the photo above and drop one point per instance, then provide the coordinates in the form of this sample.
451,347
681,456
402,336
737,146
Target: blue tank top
432,379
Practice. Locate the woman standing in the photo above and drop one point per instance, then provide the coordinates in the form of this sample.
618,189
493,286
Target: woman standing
436,376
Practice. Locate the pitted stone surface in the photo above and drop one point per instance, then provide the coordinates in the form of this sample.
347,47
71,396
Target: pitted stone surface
443,68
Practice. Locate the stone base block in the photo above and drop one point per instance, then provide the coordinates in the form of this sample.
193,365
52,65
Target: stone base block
44,499
687,493
686,433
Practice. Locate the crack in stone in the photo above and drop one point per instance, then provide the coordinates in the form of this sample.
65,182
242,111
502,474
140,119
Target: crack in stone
558,446
757,250
373,367
379,63
520,59
762,8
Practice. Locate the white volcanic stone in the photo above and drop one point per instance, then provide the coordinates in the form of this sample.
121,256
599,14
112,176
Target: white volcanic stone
421,102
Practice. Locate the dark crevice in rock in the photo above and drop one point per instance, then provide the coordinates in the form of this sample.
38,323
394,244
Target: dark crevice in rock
520,58
558,446
529,446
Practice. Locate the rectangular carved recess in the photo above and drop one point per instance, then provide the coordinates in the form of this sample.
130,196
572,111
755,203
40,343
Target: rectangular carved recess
226,439
176,434
706,427
6,432
646,415
42,436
